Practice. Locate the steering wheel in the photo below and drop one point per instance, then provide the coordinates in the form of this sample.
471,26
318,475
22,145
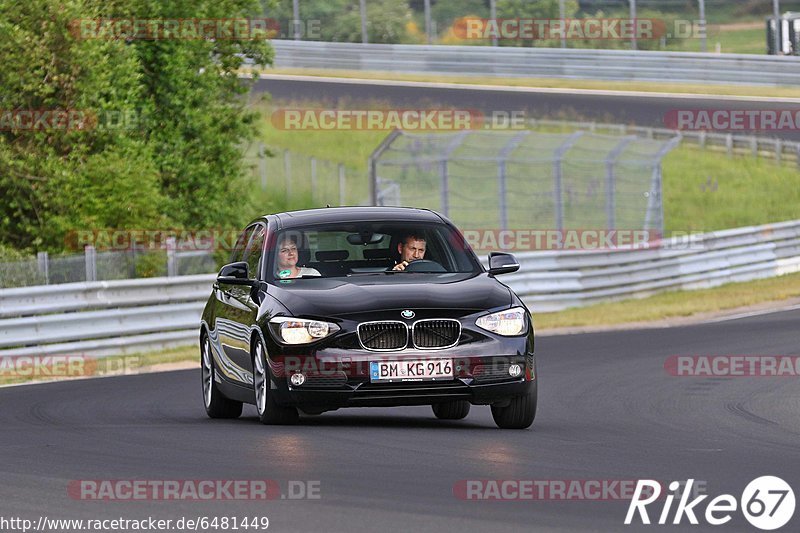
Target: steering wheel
424,265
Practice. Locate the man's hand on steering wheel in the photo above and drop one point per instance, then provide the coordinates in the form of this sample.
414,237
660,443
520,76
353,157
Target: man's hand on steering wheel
401,265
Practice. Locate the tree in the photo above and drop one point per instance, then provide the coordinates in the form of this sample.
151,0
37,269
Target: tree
177,163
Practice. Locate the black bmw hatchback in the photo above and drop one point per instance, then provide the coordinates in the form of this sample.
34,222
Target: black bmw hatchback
365,306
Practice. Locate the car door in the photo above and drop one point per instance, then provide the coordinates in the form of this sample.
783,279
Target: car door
231,319
245,309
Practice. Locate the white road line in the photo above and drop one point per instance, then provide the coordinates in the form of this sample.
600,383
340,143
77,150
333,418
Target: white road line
751,314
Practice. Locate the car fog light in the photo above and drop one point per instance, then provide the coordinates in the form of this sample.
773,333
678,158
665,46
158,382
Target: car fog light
513,371
298,379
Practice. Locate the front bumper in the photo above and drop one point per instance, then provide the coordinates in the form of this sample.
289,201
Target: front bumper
478,380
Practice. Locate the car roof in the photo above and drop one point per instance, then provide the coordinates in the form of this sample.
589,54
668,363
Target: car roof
333,215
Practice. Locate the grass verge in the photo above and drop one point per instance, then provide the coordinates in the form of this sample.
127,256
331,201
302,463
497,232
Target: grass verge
675,304
69,367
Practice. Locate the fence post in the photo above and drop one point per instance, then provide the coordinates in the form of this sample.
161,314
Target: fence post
729,144
287,173
90,258
313,179
611,181
501,191
172,264
373,164
778,151
503,156
444,192
262,166
43,265
558,198
754,145
341,184
702,139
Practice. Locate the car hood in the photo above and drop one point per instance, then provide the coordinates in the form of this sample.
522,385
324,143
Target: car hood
364,294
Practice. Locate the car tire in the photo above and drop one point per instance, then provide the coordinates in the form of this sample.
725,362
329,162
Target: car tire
453,410
269,412
217,405
520,413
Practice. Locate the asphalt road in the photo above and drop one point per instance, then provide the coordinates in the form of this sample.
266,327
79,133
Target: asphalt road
608,411
641,110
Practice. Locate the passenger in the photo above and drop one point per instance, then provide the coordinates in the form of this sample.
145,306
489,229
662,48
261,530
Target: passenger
287,261
411,248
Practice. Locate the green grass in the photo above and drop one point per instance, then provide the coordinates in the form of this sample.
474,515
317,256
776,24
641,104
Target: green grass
674,304
706,191
747,41
731,41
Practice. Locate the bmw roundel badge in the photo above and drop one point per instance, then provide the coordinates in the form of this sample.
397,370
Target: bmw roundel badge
408,314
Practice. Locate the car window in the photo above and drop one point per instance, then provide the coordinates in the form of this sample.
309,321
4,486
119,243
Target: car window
241,243
254,251
375,247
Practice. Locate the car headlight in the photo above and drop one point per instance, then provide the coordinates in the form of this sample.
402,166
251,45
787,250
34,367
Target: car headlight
508,323
301,330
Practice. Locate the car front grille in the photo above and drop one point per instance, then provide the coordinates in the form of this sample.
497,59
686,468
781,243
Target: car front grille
436,333
383,336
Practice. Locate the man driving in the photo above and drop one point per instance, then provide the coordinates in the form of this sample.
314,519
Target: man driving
411,248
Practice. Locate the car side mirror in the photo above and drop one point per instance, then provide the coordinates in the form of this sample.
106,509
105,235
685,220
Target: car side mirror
502,263
235,274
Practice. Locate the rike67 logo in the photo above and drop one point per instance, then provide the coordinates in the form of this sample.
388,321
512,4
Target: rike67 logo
767,503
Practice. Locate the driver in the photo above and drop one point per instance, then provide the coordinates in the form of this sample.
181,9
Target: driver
411,248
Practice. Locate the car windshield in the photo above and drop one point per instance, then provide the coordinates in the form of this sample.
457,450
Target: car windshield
370,248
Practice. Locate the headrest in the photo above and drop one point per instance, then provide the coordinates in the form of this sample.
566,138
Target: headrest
379,253
332,255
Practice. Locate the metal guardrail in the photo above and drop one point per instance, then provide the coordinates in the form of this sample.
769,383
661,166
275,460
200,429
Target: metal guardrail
105,318
555,280
608,65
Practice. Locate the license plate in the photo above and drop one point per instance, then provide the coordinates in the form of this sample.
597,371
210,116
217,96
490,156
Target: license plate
411,370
